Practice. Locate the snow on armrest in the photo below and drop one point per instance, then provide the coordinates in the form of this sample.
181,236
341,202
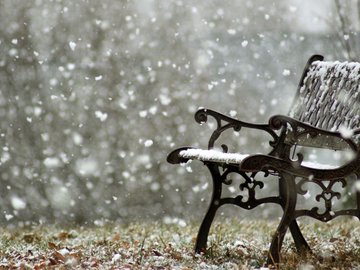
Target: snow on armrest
315,165
212,155
218,156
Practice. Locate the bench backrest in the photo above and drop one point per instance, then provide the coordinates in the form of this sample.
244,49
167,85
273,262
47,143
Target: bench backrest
328,97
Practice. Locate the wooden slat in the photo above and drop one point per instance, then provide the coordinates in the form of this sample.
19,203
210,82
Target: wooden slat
328,95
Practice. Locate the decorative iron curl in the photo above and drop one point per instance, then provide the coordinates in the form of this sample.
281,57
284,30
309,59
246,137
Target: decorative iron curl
296,127
201,116
276,122
327,190
225,122
299,186
327,195
225,148
248,185
224,177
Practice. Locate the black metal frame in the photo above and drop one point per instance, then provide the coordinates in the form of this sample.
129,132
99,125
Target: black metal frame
285,132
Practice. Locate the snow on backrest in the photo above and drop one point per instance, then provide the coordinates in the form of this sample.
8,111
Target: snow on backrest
329,97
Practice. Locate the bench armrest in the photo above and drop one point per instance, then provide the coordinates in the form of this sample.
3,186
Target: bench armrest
297,129
174,156
225,122
257,163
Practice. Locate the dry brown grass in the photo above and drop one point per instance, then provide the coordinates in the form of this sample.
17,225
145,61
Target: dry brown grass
235,245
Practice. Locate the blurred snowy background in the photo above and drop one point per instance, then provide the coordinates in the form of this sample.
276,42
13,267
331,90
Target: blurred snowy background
94,94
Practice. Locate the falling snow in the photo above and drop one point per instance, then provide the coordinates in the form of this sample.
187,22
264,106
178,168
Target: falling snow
286,72
18,203
72,45
244,43
94,95
148,143
102,116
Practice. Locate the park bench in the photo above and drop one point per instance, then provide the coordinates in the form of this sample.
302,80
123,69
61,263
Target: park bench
325,114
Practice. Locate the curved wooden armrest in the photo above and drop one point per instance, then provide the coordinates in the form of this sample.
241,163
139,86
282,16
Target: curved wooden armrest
265,162
225,122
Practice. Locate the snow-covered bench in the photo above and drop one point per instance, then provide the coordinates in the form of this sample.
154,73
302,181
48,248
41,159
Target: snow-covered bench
325,114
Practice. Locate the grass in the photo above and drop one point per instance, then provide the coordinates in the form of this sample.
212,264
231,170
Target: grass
235,245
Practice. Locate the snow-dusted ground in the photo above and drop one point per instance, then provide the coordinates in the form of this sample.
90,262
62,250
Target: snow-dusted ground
236,245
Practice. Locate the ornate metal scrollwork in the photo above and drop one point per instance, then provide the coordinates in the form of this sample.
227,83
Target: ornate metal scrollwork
248,185
224,123
327,195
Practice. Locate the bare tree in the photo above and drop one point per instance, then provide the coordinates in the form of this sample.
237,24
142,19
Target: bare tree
347,25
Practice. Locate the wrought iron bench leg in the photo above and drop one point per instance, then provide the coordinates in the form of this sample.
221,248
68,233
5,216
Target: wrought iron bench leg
201,240
288,192
300,242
